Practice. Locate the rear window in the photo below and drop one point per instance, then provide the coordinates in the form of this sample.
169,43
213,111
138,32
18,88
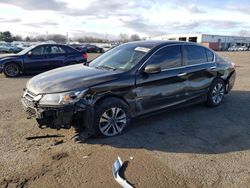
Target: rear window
70,50
210,55
57,50
221,60
194,54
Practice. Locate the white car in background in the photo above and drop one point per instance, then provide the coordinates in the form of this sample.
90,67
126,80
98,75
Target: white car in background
232,48
106,48
243,48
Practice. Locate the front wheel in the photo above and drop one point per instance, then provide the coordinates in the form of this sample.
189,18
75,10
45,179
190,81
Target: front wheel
112,115
216,93
11,70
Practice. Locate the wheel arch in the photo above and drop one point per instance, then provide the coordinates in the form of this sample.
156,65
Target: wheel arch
111,95
226,80
14,62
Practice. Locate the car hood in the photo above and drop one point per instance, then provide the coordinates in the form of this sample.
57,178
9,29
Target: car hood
7,57
68,78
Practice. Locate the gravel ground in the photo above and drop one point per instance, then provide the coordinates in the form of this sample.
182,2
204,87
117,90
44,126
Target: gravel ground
191,147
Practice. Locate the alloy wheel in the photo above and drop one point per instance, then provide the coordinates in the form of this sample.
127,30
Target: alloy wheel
112,121
11,70
218,93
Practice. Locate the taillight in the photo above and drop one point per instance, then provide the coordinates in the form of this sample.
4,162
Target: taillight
85,56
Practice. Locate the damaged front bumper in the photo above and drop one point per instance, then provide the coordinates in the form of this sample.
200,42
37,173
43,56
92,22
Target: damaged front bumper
55,117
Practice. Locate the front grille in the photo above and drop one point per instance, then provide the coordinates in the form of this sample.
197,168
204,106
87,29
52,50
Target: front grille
28,102
29,95
28,98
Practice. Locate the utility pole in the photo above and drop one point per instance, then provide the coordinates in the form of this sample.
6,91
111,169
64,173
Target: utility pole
67,37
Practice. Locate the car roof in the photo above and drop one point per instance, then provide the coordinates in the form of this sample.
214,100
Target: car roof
50,44
154,43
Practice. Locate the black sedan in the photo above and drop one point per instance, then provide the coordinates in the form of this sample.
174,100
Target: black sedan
130,80
40,58
93,48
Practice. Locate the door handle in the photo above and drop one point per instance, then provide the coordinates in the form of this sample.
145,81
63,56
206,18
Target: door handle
182,74
213,67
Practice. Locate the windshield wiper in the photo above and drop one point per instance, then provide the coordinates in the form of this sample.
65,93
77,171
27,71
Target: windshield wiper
106,67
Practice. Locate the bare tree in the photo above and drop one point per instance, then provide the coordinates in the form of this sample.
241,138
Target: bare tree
27,39
124,37
17,38
242,33
58,38
88,39
135,37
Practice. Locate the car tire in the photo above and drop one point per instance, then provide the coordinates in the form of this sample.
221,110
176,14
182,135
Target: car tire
112,116
216,93
11,70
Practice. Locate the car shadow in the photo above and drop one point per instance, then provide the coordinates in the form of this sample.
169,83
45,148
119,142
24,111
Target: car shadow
195,129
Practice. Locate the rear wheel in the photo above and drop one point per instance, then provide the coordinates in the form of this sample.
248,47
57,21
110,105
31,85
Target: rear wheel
216,93
111,117
11,70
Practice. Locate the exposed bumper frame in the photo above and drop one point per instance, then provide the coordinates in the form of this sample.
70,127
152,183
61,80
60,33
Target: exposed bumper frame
55,117
115,169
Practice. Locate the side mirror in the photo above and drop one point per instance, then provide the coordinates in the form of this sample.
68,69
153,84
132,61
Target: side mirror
29,53
151,69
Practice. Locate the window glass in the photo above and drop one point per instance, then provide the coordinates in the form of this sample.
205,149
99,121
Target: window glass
47,50
210,55
70,50
38,51
167,58
195,54
123,57
56,50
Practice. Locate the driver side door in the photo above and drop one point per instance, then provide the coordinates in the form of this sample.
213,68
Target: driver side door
36,61
166,88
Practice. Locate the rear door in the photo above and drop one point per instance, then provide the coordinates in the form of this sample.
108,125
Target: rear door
56,56
166,88
200,69
73,56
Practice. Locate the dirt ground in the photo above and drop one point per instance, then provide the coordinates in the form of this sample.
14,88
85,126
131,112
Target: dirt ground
191,147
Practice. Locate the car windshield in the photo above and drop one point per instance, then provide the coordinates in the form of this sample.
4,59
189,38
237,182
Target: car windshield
123,57
26,50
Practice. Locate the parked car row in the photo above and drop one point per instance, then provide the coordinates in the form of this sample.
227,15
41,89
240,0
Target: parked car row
9,49
238,48
40,58
89,48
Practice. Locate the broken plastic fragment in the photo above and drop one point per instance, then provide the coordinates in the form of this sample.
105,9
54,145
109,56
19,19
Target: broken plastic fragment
116,167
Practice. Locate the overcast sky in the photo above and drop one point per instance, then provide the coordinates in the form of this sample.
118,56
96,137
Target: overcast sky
145,17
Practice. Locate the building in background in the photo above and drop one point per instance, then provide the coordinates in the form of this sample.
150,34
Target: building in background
215,42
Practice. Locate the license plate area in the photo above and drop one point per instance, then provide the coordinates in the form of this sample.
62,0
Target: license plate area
31,112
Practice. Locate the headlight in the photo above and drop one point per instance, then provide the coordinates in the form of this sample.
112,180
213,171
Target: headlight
61,98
